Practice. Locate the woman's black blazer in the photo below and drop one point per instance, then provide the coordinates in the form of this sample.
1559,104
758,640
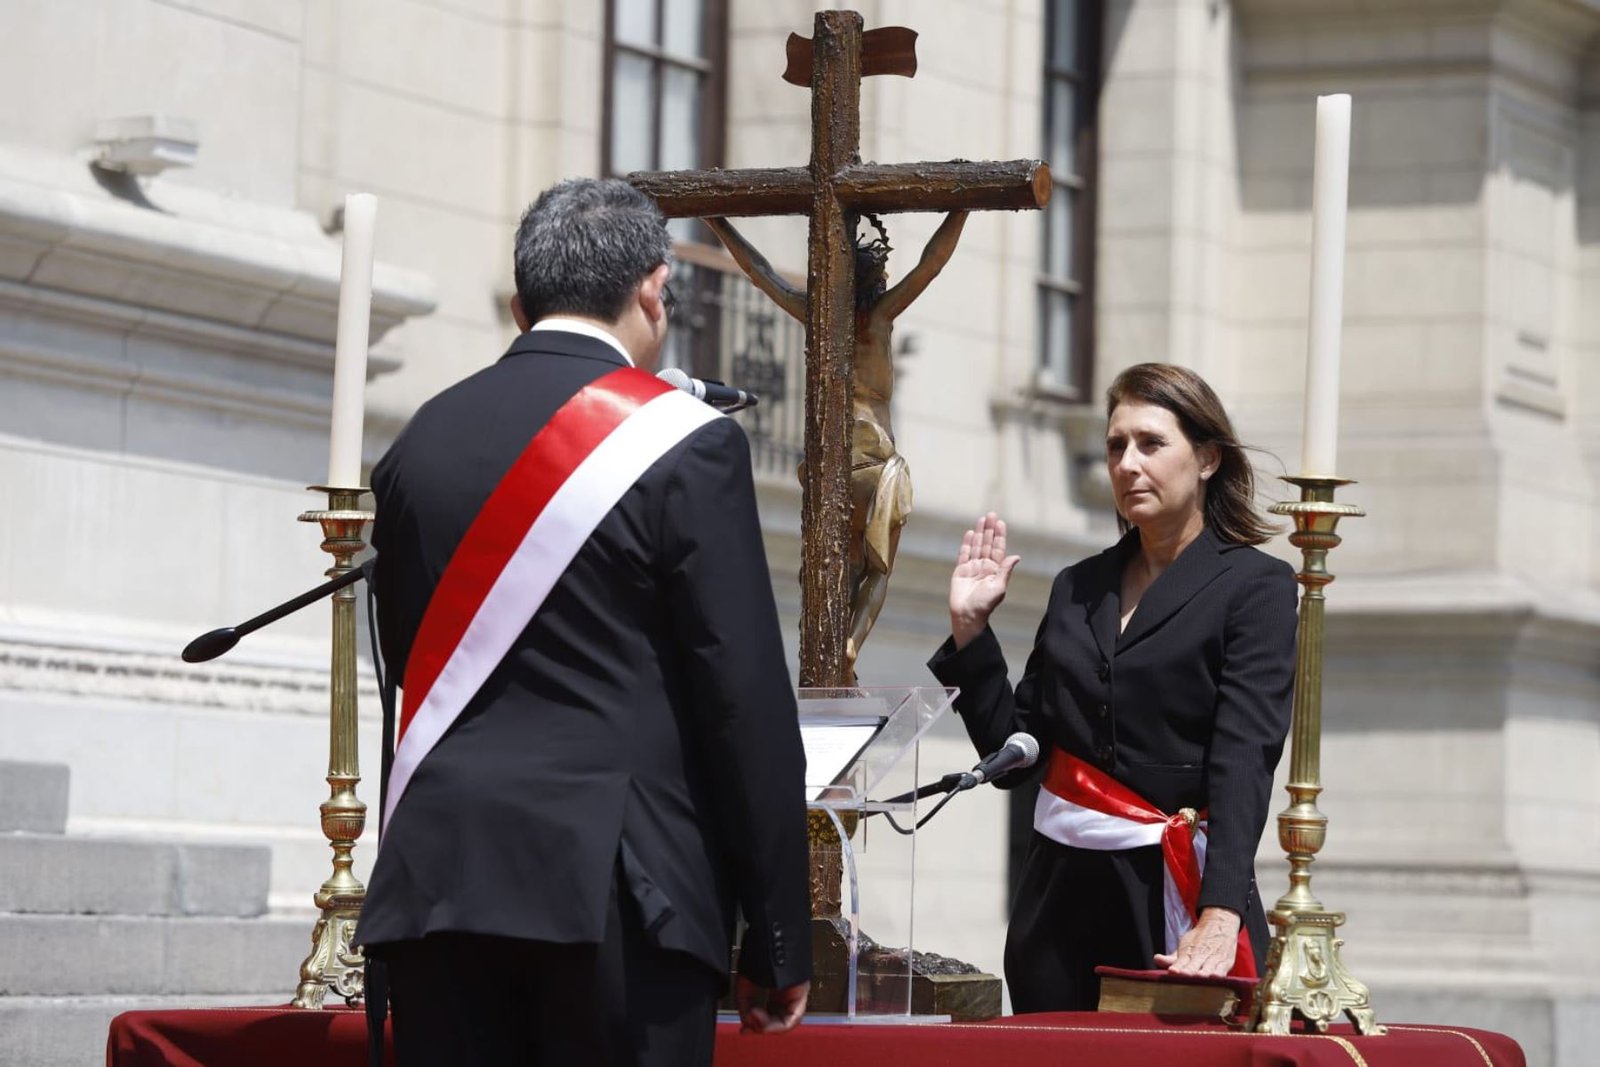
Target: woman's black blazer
1189,706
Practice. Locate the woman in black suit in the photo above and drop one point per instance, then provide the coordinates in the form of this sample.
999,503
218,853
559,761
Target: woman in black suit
1160,688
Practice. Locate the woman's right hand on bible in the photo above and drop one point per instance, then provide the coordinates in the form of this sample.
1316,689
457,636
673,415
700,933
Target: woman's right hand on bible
978,584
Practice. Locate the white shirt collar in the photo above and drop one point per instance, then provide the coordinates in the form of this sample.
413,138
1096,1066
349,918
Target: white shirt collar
588,329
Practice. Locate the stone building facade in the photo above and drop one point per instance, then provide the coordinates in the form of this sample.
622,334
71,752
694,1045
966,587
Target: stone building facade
165,360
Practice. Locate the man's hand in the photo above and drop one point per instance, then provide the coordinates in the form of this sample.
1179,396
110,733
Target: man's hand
1208,949
769,1011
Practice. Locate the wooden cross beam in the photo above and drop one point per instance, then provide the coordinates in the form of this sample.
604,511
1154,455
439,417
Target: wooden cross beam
833,190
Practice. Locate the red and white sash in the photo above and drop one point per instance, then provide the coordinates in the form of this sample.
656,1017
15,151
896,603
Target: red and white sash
1083,807
565,482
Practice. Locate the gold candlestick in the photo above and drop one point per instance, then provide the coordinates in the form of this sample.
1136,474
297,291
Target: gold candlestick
333,964
1304,974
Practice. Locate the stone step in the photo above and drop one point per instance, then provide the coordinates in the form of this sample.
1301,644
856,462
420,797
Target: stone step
33,797
54,874
86,955
262,771
71,1031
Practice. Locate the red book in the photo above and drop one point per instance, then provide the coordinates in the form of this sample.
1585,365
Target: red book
1164,993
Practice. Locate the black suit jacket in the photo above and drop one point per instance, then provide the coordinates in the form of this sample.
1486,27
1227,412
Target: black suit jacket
644,720
1189,706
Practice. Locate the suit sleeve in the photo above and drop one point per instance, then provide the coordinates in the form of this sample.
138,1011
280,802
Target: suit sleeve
989,708
1254,703
726,621
393,640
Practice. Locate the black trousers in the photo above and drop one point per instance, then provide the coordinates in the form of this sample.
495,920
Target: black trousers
474,1000
1079,908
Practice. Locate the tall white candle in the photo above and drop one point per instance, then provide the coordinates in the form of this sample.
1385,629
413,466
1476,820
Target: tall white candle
350,344
1329,204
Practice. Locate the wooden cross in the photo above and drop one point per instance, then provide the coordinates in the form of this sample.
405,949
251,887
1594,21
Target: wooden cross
834,189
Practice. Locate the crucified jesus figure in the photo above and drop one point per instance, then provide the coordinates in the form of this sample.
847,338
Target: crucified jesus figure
880,480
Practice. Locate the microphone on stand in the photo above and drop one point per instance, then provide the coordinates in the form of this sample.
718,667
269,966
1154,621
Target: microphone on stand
215,643
1020,750
724,398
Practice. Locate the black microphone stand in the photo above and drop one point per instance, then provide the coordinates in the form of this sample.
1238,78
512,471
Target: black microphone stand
949,785
209,646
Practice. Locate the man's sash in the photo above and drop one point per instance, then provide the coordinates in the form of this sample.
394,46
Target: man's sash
566,481
1083,807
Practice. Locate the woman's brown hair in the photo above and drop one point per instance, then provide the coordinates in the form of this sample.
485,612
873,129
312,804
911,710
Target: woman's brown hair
1230,508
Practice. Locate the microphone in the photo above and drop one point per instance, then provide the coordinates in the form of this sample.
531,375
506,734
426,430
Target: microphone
209,646
1020,750
722,397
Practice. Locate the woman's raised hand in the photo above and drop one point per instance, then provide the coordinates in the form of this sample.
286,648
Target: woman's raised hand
978,584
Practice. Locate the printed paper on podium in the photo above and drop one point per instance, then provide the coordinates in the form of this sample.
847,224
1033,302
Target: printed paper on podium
832,748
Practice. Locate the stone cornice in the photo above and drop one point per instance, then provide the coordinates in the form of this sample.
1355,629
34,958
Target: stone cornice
1356,41
187,260
1492,625
1571,20
1486,594
83,371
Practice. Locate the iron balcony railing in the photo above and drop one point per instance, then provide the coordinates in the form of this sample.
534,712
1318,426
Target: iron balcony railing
727,330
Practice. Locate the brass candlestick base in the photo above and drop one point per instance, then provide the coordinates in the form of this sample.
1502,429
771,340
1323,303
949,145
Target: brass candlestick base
1304,974
333,964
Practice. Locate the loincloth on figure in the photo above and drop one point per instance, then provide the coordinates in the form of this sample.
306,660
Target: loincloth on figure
880,496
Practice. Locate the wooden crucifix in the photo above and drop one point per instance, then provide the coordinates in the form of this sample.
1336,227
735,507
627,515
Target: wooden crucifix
833,190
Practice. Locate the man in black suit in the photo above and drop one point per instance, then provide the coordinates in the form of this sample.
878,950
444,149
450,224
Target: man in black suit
556,880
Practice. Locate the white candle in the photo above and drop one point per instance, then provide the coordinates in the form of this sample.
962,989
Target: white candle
1329,203
350,344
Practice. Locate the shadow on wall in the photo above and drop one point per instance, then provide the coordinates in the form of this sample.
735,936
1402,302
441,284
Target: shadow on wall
1418,137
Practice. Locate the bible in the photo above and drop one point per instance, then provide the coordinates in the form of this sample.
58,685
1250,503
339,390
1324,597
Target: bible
1164,993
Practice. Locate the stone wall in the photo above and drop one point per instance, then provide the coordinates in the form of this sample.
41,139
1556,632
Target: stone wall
165,365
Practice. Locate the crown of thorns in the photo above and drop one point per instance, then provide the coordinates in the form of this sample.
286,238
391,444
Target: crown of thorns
878,248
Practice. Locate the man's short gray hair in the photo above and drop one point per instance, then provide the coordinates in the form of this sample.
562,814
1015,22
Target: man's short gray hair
584,246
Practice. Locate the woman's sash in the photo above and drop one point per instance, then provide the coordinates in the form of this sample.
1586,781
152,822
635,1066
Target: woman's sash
564,483
1083,807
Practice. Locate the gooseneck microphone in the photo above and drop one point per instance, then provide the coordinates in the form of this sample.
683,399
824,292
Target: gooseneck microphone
210,645
722,397
1020,750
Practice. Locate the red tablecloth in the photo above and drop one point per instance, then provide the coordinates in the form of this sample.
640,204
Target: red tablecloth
270,1037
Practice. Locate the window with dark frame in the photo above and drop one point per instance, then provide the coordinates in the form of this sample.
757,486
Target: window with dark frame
1066,268
664,85
664,109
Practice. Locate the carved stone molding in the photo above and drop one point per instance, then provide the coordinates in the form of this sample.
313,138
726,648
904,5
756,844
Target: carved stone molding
161,678
184,255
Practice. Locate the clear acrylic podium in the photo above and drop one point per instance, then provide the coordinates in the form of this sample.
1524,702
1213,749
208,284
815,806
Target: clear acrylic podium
861,759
